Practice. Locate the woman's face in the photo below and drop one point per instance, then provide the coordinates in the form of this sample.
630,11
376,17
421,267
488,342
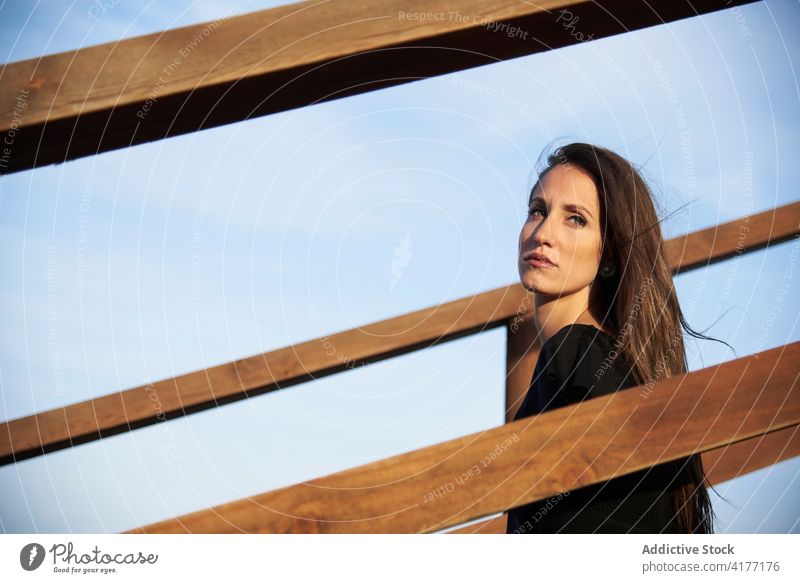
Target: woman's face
563,225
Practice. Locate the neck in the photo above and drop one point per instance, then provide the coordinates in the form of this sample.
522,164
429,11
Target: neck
552,313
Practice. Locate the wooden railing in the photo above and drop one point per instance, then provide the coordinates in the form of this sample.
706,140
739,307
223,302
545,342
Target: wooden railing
116,95
720,464
742,415
480,474
280,369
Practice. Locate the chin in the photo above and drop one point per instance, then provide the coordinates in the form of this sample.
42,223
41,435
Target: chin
534,282
544,282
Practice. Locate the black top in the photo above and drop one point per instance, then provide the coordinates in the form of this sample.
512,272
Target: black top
578,362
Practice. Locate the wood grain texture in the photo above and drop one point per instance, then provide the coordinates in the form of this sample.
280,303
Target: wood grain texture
217,385
115,95
733,238
255,375
730,461
720,465
522,352
484,473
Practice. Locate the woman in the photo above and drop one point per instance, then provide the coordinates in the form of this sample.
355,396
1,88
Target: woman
592,253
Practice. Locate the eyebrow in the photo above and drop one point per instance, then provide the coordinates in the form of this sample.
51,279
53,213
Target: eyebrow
572,207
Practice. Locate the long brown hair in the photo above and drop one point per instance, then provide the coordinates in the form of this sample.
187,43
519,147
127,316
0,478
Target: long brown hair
638,302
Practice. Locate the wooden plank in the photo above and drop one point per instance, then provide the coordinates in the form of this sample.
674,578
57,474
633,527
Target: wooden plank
484,473
737,459
522,351
255,375
279,369
496,525
720,464
733,238
115,95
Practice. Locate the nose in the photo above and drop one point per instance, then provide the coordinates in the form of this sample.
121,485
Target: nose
543,232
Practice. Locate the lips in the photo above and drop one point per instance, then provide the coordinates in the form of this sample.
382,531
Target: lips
538,258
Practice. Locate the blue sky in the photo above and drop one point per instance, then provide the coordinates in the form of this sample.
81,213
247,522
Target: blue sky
160,259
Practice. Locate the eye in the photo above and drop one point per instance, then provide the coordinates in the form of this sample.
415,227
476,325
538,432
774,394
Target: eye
533,210
581,221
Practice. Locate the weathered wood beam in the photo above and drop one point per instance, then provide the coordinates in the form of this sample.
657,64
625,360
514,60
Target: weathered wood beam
720,464
530,459
100,98
111,414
